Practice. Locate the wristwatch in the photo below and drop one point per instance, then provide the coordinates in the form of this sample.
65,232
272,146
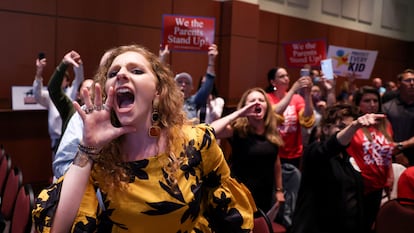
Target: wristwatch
400,146
81,159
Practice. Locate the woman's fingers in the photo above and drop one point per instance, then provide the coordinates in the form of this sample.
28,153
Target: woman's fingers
110,98
98,95
88,107
79,109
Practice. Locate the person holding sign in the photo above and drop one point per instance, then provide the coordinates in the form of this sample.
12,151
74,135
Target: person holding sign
185,84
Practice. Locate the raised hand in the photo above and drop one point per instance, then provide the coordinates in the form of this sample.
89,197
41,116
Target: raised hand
40,65
164,52
72,58
304,82
369,119
212,54
212,51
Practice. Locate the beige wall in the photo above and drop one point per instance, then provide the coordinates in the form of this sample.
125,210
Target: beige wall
389,18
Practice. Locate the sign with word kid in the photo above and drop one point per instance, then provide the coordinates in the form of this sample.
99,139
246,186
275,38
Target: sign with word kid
187,32
349,62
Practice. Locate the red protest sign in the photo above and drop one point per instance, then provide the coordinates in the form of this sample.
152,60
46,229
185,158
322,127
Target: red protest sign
309,52
187,32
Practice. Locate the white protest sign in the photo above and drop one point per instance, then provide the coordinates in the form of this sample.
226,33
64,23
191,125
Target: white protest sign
327,69
349,62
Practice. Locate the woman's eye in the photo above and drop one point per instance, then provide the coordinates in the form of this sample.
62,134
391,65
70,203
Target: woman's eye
137,71
112,74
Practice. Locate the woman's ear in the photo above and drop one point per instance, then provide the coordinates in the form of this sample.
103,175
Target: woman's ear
272,82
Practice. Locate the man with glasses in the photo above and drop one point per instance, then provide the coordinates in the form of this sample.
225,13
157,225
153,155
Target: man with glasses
400,112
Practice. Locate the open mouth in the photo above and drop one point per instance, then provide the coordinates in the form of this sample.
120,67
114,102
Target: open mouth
258,109
125,98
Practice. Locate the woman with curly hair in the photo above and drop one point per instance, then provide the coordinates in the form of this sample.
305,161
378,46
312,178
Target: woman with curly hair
140,165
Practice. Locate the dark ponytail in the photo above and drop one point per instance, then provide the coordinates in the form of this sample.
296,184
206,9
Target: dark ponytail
271,76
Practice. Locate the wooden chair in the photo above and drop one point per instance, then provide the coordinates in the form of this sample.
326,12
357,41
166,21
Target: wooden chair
21,221
395,217
262,223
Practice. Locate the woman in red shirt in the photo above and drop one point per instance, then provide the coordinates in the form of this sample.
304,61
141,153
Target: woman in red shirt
372,148
296,109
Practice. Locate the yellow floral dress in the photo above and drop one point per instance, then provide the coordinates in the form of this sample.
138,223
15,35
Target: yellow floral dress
207,199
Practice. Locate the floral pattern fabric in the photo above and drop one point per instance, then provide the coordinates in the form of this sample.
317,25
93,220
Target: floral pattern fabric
206,199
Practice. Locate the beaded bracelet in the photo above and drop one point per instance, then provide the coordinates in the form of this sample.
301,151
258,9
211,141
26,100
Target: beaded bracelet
89,150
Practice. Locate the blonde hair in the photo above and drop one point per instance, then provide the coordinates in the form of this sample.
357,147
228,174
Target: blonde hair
109,171
242,126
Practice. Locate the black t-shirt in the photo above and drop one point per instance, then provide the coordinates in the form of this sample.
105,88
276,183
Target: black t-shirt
401,117
252,163
330,197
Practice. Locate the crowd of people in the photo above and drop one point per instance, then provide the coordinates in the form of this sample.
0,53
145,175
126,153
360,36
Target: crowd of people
139,147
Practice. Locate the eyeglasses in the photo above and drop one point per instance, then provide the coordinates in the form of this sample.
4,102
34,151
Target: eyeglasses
408,80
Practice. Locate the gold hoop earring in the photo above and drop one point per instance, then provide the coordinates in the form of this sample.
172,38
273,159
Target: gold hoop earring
155,130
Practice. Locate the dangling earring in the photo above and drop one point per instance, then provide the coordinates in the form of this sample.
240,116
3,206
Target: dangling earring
155,130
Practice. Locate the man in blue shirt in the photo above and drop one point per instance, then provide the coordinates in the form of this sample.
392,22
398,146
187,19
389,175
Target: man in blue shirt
185,83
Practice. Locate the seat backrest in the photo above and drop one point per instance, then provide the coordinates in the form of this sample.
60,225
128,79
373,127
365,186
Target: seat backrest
398,169
21,221
262,223
13,183
5,166
2,151
394,217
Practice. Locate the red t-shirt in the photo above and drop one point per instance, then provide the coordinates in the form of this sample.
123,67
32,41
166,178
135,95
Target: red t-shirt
373,158
290,129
